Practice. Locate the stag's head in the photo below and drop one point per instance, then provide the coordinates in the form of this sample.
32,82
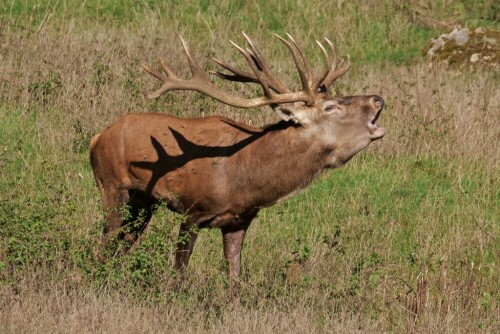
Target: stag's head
344,125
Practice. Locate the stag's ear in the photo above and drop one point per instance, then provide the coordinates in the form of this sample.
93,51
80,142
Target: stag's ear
293,113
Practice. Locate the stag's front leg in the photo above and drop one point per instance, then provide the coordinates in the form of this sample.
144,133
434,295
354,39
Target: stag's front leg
188,233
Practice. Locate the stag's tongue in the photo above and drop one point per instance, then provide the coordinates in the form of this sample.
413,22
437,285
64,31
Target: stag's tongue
375,131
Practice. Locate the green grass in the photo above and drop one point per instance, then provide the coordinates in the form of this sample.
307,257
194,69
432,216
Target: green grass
390,216
386,31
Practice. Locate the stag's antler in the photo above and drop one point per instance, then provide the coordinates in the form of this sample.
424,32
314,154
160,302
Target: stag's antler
260,61
275,92
325,79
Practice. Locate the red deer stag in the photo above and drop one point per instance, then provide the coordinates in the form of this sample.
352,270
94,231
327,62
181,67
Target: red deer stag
219,172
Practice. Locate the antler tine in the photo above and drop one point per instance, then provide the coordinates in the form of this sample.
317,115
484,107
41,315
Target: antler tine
303,78
253,65
166,69
158,75
265,66
302,53
193,63
326,78
242,76
238,75
329,64
334,53
169,77
334,74
155,73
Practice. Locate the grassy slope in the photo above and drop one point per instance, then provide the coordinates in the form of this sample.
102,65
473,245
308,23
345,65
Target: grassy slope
371,31
405,237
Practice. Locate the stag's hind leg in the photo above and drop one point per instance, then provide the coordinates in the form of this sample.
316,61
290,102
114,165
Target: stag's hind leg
232,238
128,214
139,210
114,201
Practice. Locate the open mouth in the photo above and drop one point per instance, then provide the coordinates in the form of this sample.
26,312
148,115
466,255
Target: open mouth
375,131
376,116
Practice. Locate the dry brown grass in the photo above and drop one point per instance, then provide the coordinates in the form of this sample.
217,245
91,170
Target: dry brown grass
55,308
58,312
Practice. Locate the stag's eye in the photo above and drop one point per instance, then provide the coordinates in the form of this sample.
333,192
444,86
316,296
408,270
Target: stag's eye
331,107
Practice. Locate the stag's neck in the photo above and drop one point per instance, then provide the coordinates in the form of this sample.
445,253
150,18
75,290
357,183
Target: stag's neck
279,164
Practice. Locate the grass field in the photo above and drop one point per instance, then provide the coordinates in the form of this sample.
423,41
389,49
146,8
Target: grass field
405,238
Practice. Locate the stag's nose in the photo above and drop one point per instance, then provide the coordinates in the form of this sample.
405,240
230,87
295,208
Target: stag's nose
378,102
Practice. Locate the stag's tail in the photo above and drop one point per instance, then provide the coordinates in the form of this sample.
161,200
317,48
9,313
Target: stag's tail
94,141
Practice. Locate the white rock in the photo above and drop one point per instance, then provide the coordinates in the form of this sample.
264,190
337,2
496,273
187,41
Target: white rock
461,36
475,57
